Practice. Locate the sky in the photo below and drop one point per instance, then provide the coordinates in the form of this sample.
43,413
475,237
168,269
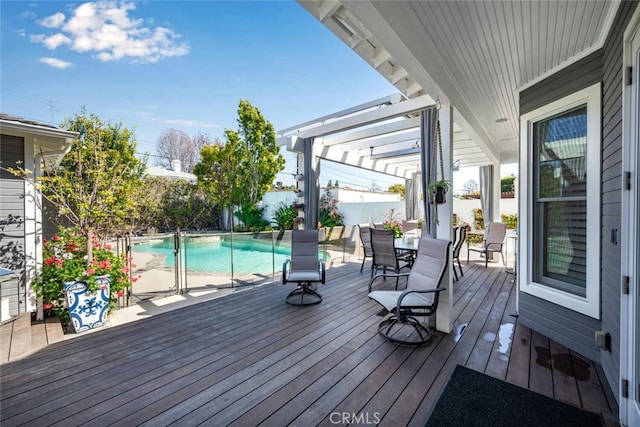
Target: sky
155,65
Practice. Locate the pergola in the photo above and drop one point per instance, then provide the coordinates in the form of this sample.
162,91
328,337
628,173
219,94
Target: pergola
470,60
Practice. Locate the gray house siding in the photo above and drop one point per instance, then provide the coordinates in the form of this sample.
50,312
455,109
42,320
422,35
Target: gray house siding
565,326
611,189
12,215
571,329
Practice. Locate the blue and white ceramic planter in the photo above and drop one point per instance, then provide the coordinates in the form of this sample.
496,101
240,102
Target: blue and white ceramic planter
88,310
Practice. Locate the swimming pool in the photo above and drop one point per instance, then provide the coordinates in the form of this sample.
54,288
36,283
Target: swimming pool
213,254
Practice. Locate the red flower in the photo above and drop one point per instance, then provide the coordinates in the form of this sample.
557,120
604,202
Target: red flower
49,261
120,293
55,238
90,271
47,306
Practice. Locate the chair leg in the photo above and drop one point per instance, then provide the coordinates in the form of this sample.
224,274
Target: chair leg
486,259
297,296
455,273
460,267
362,266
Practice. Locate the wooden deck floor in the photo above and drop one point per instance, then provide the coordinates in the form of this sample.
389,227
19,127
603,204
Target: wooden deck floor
251,359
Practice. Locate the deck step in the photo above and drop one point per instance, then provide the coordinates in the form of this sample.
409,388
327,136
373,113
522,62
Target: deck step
20,336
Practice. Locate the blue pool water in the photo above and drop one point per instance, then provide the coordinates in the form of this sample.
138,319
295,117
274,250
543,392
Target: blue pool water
206,255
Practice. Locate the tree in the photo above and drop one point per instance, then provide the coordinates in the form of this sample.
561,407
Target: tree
175,144
470,187
397,188
95,187
259,159
240,171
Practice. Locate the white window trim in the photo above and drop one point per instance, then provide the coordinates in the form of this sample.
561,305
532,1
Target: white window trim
589,305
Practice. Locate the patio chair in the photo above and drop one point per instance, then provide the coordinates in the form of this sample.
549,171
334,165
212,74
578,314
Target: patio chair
304,268
365,238
459,238
493,242
410,227
420,299
385,255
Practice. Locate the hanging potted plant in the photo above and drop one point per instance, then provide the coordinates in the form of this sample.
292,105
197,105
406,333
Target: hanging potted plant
438,191
437,188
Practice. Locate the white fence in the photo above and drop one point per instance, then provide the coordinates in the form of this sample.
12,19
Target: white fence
356,212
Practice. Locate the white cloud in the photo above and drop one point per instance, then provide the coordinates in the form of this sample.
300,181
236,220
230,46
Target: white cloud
191,123
53,21
56,40
55,63
106,29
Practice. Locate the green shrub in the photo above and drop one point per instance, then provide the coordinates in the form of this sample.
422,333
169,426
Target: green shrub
251,218
510,220
285,215
478,219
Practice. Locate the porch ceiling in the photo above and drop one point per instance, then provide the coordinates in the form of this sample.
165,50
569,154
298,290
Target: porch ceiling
479,55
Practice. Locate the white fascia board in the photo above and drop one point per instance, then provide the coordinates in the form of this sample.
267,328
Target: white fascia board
30,129
408,106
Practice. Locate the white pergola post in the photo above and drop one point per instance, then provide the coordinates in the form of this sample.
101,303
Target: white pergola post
444,230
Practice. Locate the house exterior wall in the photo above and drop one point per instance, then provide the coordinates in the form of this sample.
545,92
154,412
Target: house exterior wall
569,328
12,211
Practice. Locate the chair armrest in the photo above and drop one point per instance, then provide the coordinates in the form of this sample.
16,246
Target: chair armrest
378,275
413,291
284,271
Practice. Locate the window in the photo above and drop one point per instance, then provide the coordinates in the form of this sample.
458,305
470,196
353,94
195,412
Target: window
561,202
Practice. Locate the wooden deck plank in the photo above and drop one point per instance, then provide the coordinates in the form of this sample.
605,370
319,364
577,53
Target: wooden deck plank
254,388
165,389
6,332
21,337
38,336
54,329
540,374
565,387
500,354
214,365
251,359
313,383
592,393
519,358
479,357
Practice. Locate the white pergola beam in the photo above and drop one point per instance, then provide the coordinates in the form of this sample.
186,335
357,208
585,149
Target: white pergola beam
409,106
370,132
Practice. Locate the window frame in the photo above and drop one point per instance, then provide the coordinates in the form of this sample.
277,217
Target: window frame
588,305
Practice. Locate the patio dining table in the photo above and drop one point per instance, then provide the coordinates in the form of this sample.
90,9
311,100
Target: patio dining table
407,243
